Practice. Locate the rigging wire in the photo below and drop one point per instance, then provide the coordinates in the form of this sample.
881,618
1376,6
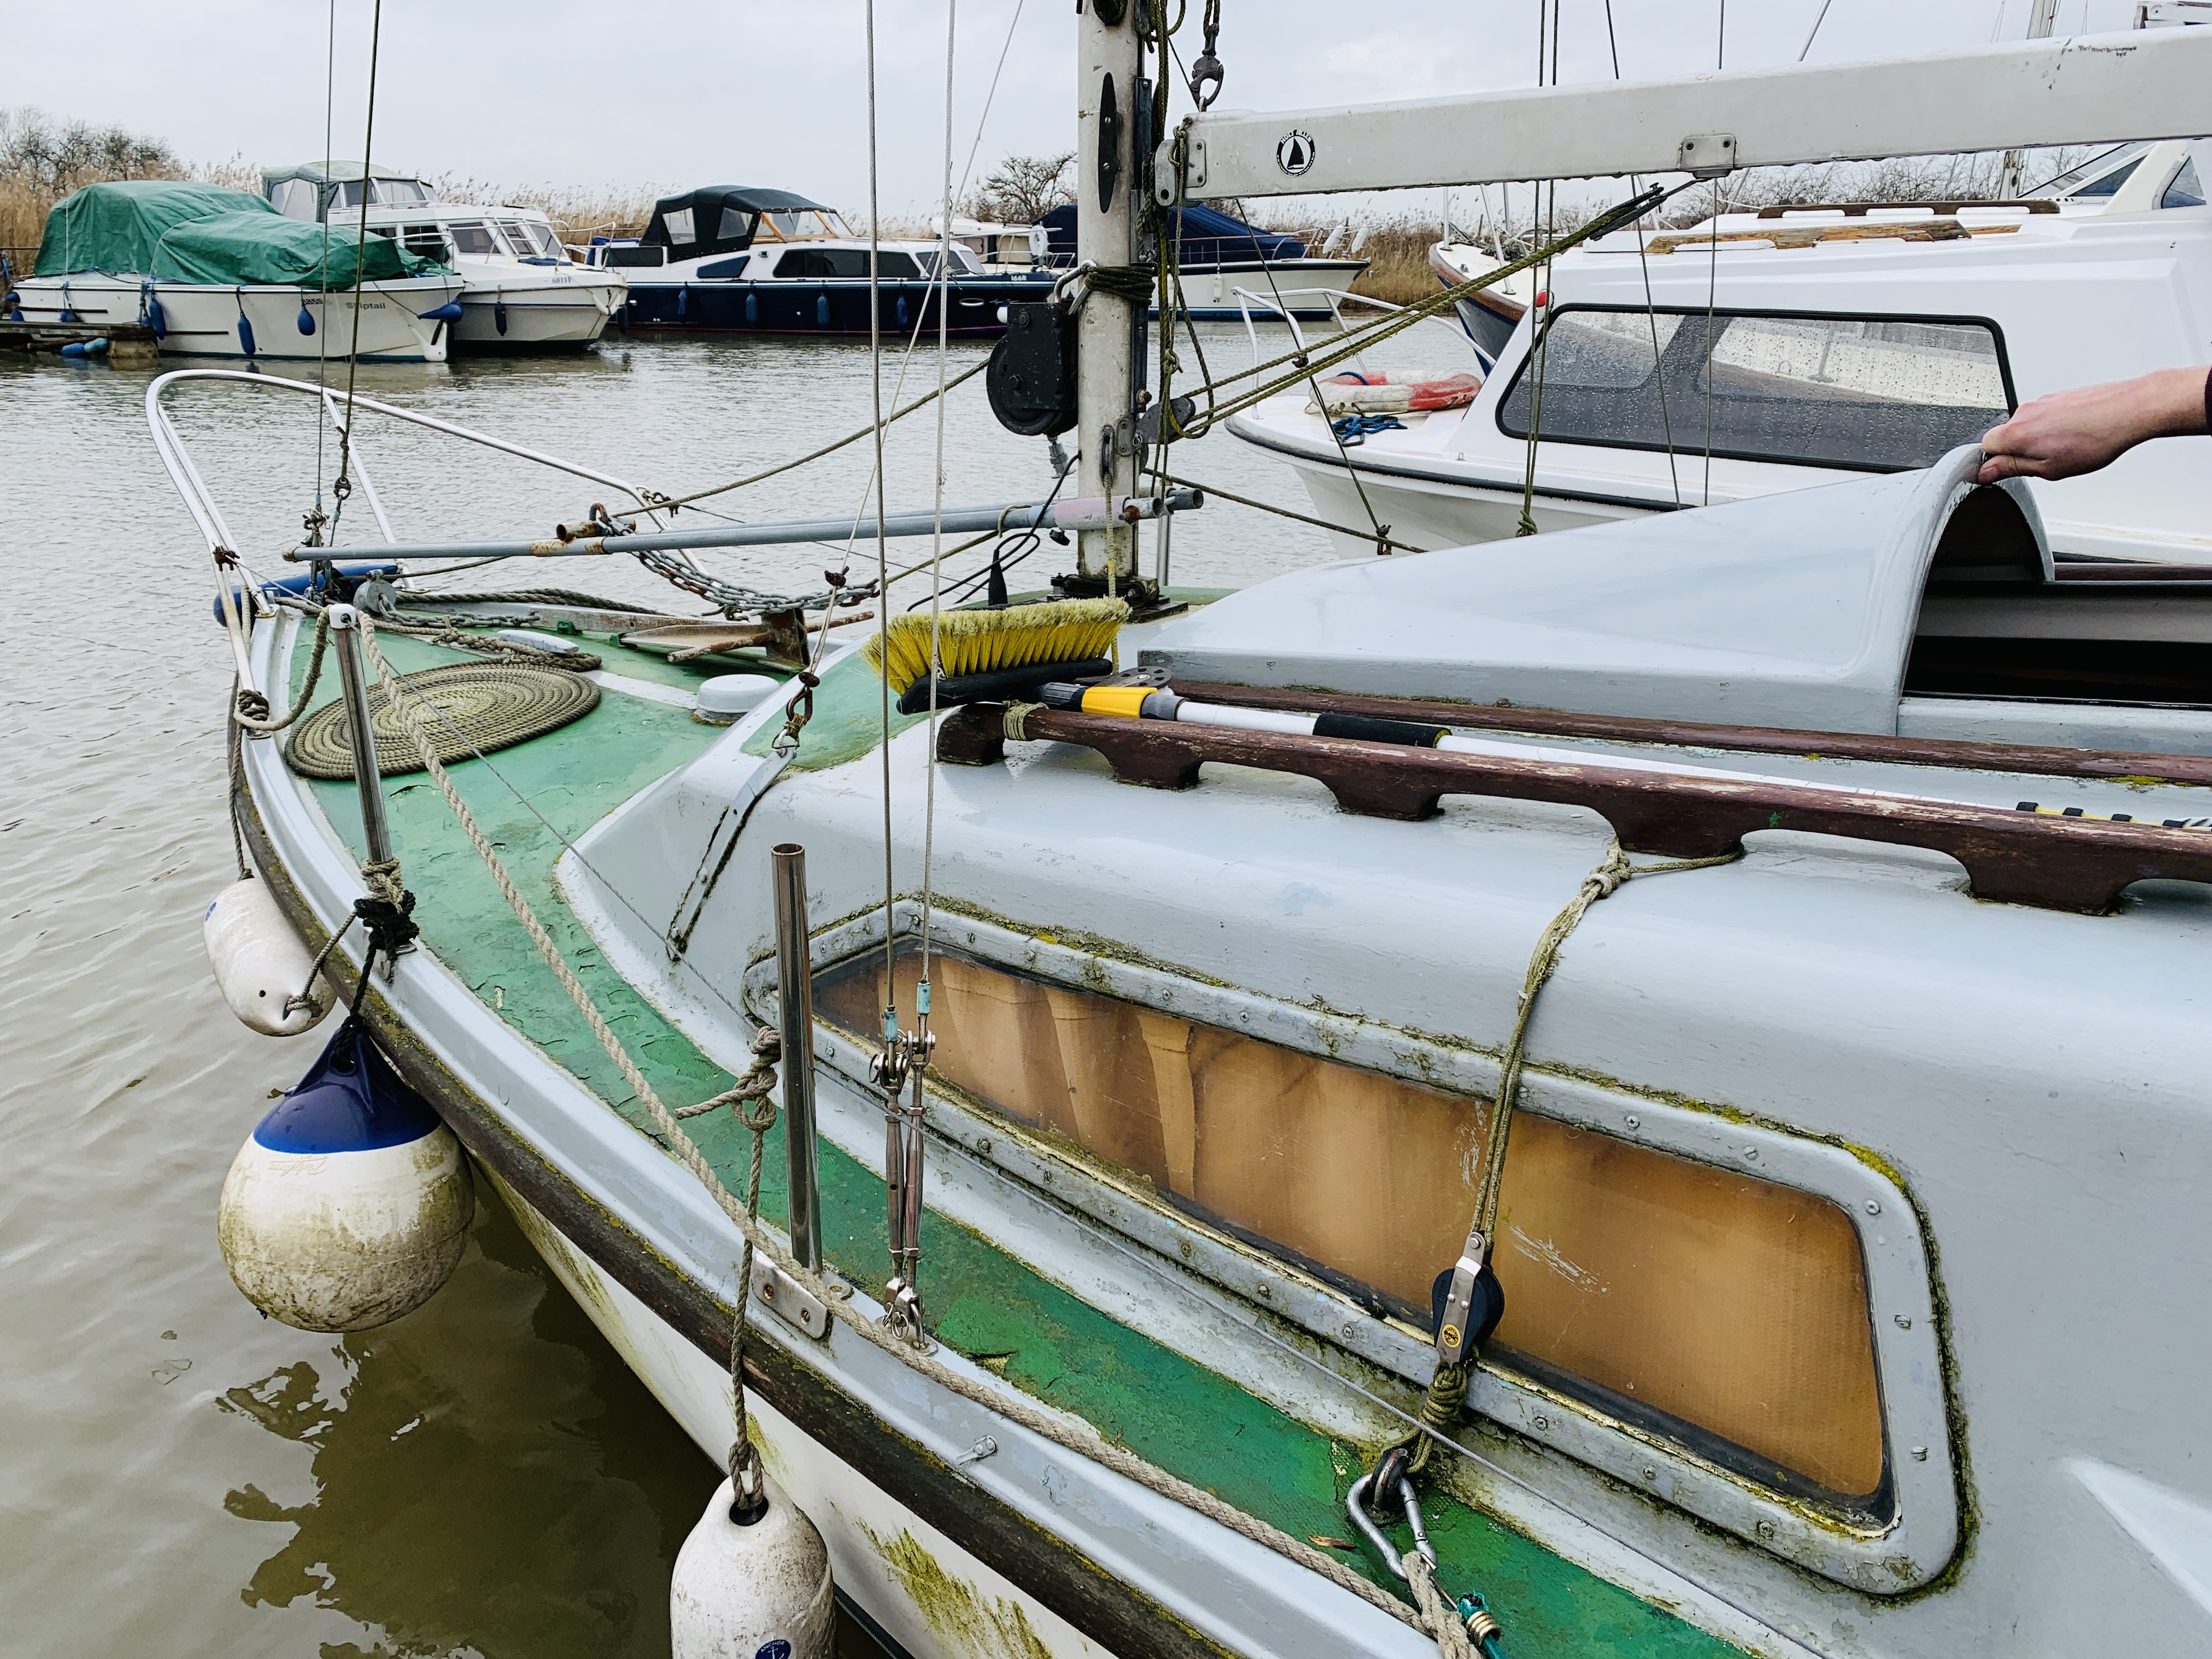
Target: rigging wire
936,552
1713,282
343,486
323,333
882,541
1809,34
1644,261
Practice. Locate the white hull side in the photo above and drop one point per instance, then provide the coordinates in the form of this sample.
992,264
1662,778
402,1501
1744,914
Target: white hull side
1434,516
540,317
202,320
872,1537
1211,292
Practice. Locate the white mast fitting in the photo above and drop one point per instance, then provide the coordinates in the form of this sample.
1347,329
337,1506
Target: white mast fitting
2086,89
1109,64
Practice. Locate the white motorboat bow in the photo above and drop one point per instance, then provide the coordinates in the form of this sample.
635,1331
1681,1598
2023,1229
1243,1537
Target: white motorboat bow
523,291
1843,339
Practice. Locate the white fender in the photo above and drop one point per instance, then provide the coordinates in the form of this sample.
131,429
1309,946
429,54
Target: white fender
259,963
757,1592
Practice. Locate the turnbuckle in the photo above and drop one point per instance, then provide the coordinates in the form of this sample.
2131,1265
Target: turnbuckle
1355,1505
904,1060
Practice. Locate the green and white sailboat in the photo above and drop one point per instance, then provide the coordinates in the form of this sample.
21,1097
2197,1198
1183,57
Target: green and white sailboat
1842,996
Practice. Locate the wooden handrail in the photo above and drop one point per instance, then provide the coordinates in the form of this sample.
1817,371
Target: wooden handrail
2011,856
2034,758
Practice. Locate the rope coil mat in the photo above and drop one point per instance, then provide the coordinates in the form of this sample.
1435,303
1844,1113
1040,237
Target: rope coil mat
481,707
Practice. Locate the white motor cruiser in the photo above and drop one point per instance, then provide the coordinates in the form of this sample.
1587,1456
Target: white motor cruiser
523,291
216,272
1841,341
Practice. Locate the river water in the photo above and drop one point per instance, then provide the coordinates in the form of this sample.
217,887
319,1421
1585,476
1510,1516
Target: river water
178,1475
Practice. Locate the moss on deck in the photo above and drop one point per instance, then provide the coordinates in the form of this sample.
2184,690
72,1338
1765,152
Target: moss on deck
985,1303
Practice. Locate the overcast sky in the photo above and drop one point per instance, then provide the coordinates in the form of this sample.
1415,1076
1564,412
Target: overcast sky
680,93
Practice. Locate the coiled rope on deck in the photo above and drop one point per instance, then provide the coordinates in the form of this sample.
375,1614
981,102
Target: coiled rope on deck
485,705
1433,1617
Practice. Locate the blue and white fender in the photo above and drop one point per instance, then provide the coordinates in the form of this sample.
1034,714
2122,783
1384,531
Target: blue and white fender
350,1205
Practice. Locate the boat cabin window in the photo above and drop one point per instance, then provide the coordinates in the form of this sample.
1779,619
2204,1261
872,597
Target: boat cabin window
2069,183
1869,393
737,225
680,231
2108,185
1701,1303
527,239
800,225
963,263
472,236
294,198
617,256
427,241
401,192
815,263
723,270
2184,190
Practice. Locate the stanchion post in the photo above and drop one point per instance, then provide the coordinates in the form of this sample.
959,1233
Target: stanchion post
353,677
795,999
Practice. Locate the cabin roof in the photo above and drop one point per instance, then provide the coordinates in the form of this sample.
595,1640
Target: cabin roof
331,173
711,229
1792,609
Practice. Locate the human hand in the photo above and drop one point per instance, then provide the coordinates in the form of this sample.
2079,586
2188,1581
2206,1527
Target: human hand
2064,433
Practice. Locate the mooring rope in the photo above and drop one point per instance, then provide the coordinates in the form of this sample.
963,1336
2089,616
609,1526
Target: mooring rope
250,709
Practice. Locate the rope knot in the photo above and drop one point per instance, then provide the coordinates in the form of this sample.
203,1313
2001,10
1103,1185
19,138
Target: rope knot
1605,881
1014,718
387,910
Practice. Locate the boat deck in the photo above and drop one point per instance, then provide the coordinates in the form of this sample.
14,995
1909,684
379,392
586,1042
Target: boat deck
986,1304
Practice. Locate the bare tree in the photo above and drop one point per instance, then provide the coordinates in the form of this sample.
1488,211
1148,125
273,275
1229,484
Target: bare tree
41,155
1022,189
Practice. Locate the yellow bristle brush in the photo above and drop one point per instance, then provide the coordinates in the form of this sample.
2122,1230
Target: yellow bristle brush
995,653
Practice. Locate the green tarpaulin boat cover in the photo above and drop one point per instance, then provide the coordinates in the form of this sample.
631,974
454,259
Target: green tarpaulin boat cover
189,232
115,226
265,248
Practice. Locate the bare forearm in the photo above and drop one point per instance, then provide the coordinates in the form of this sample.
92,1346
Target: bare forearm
2067,432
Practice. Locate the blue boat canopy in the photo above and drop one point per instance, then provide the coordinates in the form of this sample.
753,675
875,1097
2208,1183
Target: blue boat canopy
1208,237
718,218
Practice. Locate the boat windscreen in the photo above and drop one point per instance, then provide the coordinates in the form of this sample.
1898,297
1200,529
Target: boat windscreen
1867,393
472,236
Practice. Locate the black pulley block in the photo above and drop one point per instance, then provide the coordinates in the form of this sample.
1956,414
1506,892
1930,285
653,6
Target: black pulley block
1031,379
1483,1313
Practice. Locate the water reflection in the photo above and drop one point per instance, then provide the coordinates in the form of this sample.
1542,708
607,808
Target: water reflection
489,1476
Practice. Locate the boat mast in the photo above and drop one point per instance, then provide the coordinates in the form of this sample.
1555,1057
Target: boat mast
1109,63
2041,20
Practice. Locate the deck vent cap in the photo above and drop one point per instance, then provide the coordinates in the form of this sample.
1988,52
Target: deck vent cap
720,700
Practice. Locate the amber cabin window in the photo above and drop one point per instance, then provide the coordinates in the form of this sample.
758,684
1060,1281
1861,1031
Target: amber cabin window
1725,1312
